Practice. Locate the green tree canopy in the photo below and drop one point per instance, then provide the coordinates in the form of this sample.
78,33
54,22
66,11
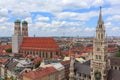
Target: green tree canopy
9,50
37,64
117,54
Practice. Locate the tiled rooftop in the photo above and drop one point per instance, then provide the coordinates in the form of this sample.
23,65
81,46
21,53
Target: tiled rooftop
39,44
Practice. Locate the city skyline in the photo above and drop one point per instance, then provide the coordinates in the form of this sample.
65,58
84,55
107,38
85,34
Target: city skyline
63,18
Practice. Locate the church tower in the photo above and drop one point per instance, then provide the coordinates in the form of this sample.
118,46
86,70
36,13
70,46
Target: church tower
25,29
17,28
16,37
100,62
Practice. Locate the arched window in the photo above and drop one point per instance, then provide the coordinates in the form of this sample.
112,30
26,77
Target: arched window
50,54
101,36
46,55
98,36
100,26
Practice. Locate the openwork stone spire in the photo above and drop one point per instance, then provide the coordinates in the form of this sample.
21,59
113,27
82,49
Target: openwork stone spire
100,21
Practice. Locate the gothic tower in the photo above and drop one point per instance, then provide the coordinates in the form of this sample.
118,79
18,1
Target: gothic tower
17,28
25,29
16,37
100,62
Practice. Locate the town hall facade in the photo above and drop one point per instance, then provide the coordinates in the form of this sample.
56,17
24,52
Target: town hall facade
101,66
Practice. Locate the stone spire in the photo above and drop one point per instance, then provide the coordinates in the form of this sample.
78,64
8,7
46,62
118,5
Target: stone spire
100,21
100,30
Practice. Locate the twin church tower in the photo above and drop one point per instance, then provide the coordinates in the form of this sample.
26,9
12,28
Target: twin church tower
20,31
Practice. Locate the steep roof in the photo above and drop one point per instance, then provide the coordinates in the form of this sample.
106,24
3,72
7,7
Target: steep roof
83,68
115,61
5,47
114,75
40,72
39,43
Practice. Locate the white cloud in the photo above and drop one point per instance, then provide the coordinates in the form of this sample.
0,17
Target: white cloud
28,19
114,10
60,11
20,14
6,29
115,2
4,12
114,18
75,4
77,16
87,29
108,25
55,27
42,18
3,19
115,28
98,2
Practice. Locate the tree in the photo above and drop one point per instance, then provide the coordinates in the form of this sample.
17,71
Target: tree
37,64
9,50
117,54
12,78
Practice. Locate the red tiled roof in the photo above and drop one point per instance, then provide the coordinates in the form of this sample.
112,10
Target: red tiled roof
83,55
112,49
65,62
5,47
40,43
37,59
40,72
3,60
65,52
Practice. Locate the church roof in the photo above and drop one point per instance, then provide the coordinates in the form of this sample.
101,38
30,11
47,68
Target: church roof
39,43
40,72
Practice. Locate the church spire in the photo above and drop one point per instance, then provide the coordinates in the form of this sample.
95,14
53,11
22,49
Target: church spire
100,16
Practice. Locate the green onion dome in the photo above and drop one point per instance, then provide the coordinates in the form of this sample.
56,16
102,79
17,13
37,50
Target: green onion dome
17,21
24,22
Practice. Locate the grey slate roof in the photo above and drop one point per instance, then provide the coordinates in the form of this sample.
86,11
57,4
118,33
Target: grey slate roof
83,68
115,61
114,75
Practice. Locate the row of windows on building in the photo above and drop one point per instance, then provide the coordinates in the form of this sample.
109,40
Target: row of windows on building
115,67
80,76
41,54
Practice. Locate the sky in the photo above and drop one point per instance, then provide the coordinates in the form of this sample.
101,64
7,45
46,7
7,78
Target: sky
60,17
